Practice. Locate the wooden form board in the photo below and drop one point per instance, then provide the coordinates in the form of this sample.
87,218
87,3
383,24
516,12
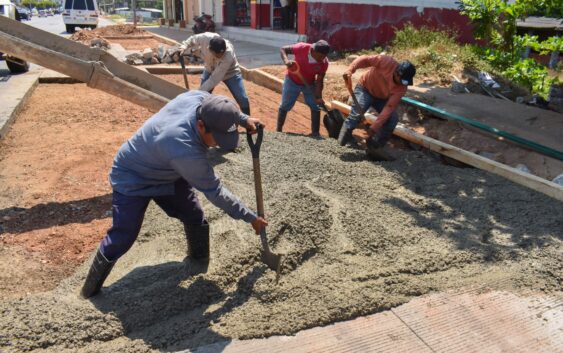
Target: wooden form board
528,180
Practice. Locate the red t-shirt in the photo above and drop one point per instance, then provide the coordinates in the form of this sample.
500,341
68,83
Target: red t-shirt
308,66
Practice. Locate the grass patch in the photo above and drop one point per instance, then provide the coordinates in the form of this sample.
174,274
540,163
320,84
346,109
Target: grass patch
436,53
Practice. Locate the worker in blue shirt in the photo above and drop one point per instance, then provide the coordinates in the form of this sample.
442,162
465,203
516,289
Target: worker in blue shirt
164,161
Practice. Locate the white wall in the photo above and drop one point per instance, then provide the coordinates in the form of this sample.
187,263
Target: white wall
212,7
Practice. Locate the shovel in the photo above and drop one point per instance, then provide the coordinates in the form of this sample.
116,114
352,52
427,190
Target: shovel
184,72
269,258
333,120
351,91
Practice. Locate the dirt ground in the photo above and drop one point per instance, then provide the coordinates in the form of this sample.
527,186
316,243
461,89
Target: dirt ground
264,104
414,226
139,44
85,36
115,30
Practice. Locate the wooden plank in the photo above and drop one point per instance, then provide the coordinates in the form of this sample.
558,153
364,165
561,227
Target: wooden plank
171,70
264,79
267,80
528,180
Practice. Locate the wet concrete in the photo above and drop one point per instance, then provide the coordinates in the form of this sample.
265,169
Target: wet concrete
359,237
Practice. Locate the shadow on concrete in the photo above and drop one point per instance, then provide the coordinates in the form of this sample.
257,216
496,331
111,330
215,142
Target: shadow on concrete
18,220
477,210
169,309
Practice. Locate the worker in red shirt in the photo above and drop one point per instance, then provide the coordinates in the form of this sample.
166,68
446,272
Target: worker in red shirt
381,87
310,63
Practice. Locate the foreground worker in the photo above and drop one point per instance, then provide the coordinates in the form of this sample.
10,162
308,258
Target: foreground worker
220,64
310,63
164,161
381,87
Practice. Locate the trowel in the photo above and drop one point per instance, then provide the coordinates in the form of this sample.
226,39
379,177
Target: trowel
269,258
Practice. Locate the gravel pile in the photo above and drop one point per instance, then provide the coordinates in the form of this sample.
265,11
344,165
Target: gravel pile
358,237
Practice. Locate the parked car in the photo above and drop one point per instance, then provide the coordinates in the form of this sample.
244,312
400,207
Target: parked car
80,13
25,13
42,13
14,64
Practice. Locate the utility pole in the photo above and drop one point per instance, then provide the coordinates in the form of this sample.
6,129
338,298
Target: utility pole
134,13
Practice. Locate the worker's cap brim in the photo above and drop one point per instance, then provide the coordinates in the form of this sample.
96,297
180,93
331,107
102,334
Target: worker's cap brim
226,140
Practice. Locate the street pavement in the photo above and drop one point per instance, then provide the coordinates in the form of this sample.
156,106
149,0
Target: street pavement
52,24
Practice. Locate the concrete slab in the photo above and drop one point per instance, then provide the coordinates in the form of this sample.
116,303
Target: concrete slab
535,124
118,51
467,321
13,94
489,322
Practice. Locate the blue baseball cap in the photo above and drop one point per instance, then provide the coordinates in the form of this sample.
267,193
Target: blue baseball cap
221,117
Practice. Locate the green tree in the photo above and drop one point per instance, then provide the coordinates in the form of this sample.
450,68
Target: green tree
29,3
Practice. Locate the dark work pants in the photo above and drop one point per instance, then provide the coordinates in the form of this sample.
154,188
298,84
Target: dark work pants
366,100
129,212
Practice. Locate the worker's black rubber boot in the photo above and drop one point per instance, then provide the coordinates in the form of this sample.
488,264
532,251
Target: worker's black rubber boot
198,247
315,123
99,271
345,135
376,150
281,119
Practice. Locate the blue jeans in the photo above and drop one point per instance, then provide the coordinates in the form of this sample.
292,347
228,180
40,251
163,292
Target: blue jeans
366,100
235,84
129,212
290,92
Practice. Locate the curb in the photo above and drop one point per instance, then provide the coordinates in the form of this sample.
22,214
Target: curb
62,79
165,39
8,116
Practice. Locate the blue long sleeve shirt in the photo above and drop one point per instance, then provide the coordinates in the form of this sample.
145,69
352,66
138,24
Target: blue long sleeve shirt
168,147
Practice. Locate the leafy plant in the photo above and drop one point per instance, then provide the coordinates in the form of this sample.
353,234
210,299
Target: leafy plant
495,22
435,53
530,74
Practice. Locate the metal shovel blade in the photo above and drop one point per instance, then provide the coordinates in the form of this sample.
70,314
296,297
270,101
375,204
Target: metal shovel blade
273,261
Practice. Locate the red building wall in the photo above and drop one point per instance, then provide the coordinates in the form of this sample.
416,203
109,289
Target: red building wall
350,26
259,14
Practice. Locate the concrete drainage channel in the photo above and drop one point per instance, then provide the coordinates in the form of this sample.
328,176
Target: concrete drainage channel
359,237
